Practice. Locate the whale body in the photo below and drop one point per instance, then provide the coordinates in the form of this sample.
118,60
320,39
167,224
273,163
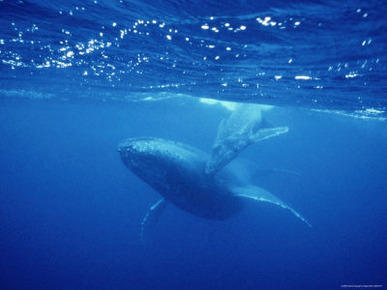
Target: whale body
178,172
242,128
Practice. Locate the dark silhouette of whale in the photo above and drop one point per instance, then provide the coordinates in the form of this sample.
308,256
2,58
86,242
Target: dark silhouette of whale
178,172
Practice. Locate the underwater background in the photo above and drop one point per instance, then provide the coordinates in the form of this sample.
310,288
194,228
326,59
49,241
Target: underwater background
79,77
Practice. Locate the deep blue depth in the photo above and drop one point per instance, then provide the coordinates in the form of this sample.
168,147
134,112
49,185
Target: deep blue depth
71,211
76,80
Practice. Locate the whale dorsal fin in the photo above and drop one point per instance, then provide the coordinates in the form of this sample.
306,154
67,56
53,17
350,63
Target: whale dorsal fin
259,194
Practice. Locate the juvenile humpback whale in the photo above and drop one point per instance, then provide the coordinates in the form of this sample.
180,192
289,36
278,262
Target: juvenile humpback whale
243,127
177,172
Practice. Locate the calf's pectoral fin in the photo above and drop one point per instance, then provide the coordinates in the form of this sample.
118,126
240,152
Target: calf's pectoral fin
259,194
267,133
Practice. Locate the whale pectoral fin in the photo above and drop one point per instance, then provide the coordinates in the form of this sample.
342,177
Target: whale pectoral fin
267,133
259,194
152,216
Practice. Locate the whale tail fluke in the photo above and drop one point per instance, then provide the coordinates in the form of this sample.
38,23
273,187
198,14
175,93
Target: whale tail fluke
259,194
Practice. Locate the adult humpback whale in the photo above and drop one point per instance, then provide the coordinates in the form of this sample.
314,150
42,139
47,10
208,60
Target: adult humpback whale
177,172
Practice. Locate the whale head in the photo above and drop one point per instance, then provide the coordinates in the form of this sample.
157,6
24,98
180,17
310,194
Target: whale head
222,153
161,163
146,157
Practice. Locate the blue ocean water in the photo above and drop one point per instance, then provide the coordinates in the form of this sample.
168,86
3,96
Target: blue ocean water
78,77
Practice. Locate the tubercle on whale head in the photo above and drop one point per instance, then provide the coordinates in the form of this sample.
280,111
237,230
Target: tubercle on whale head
134,148
135,144
146,158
